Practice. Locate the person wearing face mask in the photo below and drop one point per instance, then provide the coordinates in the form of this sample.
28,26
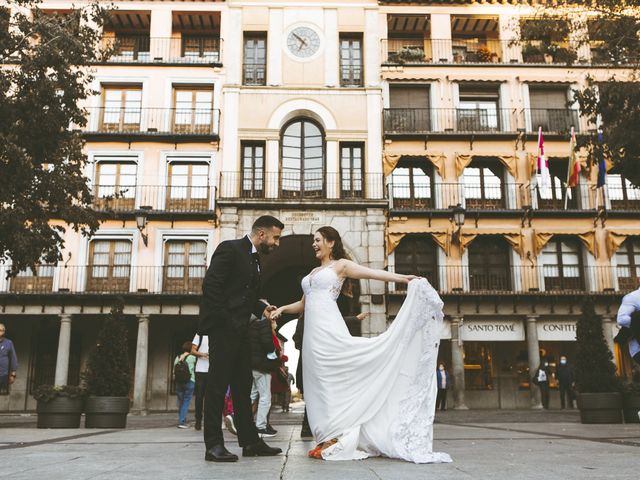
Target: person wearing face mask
444,383
541,379
565,382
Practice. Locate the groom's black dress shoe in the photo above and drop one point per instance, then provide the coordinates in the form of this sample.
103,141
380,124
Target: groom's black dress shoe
260,449
218,453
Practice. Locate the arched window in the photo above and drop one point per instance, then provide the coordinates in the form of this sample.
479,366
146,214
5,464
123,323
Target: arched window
302,157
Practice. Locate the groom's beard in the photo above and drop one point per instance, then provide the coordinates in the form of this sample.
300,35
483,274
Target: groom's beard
266,249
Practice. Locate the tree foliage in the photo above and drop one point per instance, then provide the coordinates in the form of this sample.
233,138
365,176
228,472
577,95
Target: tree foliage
108,373
611,100
44,80
594,371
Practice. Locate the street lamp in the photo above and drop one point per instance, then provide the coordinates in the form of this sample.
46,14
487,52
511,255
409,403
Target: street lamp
141,222
458,212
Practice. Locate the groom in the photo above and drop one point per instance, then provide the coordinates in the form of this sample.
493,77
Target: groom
231,292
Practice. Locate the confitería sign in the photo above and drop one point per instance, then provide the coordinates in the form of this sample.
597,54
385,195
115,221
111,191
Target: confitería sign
557,330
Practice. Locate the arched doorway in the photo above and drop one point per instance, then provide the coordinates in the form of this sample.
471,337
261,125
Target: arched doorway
284,268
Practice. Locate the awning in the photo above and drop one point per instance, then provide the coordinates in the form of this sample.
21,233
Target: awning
616,237
542,237
390,160
439,235
509,161
512,237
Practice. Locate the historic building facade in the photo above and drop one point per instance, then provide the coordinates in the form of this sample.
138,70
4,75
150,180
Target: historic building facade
375,117
467,89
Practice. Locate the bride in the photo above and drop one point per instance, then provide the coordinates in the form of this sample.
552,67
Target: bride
368,396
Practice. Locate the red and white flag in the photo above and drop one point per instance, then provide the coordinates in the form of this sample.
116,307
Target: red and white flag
544,177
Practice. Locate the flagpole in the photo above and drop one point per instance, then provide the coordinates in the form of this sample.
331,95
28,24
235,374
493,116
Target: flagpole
569,168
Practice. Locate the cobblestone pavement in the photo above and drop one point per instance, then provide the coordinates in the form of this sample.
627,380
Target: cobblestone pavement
484,444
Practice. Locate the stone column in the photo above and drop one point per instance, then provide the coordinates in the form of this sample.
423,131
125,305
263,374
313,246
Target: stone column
534,358
142,356
457,363
607,331
64,346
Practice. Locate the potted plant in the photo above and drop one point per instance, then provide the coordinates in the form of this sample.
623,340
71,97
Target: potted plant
410,55
107,377
599,397
59,406
485,55
532,54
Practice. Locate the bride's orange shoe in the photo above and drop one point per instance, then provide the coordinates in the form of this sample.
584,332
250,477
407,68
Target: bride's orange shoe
317,452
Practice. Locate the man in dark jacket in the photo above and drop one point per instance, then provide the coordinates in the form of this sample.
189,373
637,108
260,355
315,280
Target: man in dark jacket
263,361
565,382
231,293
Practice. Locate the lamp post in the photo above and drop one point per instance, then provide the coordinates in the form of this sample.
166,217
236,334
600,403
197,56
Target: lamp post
458,212
141,223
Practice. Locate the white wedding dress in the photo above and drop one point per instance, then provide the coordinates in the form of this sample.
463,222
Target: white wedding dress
375,395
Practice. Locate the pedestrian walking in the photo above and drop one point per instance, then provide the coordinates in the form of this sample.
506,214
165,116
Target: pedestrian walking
564,374
264,360
541,379
8,361
200,349
444,383
185,379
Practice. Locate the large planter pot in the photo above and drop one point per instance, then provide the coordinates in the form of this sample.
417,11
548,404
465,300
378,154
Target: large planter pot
61,412
106,412
631,407
600,407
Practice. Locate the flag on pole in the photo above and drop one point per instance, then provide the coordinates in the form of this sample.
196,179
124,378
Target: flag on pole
543,164
602,164
573,175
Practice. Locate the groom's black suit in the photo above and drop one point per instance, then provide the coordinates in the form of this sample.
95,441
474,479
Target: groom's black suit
231,290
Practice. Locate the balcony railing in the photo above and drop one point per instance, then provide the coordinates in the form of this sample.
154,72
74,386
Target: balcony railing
623,198
398,121
153,121
167,198
174,279
503,196
254,74
500,280
143,49
307,184
419,121
553,120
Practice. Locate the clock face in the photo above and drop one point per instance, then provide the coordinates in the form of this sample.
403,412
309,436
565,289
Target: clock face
303,42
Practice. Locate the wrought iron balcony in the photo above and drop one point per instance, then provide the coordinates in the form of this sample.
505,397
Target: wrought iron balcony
412,121
164,198
304,185
507,279
142,49
132,120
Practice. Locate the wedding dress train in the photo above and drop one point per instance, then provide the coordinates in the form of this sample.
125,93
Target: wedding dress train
375,395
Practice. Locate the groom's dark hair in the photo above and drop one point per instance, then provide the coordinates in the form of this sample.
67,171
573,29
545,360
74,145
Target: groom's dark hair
266,221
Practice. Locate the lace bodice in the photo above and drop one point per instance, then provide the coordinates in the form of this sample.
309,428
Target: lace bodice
323,280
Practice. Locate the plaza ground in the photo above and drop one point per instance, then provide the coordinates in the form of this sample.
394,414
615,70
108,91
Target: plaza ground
494,444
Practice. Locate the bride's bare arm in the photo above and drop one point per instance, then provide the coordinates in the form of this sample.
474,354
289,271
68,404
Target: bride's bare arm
347,268
295,308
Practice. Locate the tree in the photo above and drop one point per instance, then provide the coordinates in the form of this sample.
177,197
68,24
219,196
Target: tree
43,81
611,99
595,371
108,372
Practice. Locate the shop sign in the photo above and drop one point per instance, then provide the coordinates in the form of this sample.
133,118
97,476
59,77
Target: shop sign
300,216
559,331
493,330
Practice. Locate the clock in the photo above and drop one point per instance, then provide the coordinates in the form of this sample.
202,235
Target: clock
303,42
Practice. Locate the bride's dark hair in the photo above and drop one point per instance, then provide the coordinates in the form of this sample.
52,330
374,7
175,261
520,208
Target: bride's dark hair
330,234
